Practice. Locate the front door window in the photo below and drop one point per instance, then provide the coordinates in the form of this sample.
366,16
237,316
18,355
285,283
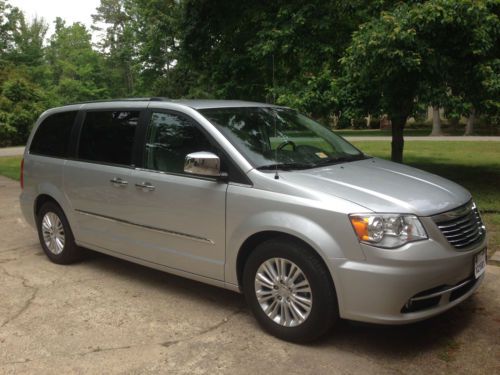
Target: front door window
169,139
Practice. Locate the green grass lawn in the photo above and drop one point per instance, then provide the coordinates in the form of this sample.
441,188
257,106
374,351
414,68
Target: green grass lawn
9,166
474,165
421,132
379,133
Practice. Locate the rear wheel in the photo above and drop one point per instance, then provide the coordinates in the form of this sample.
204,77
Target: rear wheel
56,236
290,290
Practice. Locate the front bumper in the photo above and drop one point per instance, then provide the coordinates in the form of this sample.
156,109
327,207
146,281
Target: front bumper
387,286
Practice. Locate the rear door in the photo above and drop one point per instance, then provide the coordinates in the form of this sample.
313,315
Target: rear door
97,178
180,218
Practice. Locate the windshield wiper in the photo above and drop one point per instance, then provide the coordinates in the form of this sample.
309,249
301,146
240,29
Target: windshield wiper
285,166
340,159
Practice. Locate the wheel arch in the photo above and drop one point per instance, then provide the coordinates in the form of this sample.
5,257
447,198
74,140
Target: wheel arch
50,193
257,238
41,200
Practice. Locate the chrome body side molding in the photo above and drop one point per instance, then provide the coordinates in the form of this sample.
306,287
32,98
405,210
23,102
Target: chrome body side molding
160,230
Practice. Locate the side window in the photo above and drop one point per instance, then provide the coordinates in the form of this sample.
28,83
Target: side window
169,139
108,136
52,135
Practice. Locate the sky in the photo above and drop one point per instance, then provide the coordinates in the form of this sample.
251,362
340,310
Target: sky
69,10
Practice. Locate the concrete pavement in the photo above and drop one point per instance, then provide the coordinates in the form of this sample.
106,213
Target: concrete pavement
107,316
11,151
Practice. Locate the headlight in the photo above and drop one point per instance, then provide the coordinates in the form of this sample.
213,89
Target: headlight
387,230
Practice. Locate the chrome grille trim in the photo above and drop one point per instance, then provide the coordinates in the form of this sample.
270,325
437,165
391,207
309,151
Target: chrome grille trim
462,227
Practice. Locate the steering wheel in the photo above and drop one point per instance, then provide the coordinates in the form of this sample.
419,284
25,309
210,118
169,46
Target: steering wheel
308,149
286,143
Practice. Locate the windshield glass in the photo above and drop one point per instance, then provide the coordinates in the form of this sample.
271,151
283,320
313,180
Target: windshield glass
271,137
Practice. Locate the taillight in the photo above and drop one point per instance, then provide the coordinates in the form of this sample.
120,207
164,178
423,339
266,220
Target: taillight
21,177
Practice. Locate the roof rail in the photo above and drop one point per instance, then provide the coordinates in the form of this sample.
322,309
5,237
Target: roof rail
149,99
159,99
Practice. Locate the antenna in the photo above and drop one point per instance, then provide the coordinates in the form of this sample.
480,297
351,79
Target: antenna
276,175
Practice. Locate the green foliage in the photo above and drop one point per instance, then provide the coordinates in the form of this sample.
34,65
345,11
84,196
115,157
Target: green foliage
19,108
335,60
439,52
76,72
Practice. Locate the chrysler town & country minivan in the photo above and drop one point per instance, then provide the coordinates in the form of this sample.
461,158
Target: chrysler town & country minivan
254,198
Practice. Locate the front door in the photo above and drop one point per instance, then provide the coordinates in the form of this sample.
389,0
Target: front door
179,218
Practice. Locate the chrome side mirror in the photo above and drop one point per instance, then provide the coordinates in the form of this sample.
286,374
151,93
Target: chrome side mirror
203,163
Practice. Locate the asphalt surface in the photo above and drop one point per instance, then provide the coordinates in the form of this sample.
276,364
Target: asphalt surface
107,316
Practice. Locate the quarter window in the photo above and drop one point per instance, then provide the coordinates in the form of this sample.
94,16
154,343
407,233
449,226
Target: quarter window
52,135
170,138
108,136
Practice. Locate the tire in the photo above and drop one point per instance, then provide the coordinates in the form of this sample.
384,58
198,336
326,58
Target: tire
318,304
55,235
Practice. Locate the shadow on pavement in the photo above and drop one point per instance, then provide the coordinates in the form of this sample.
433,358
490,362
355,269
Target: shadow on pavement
403,341
390,342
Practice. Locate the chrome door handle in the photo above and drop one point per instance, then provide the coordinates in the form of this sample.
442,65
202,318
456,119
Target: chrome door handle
118,181
145,186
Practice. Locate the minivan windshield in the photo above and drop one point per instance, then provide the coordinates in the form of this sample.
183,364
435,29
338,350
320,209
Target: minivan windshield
274,137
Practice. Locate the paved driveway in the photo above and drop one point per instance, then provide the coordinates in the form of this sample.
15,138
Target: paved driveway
11,151
108,316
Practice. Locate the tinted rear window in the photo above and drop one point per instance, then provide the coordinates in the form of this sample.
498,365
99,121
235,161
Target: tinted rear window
52,136
108,136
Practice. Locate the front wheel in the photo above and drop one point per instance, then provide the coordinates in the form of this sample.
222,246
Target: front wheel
290,290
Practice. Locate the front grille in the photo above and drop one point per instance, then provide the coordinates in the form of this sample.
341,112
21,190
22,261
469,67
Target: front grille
462,226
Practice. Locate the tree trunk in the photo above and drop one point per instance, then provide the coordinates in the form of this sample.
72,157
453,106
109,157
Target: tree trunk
469,128
398,125
436,121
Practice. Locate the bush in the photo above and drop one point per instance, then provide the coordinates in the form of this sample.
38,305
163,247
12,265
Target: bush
343,123
374,123
359,123
20,106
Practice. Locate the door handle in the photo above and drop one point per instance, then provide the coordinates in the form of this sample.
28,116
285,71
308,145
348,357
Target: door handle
145,186
118,181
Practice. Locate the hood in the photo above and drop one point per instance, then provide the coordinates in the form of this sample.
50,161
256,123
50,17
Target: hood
383,186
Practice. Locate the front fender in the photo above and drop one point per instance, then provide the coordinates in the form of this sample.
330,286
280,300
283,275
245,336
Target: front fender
250,212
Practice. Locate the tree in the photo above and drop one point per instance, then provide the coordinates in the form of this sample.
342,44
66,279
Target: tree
228,49
20,105
27,40
9,16
76,69
382,70
155,24
419,51
21,55
465,38
118,44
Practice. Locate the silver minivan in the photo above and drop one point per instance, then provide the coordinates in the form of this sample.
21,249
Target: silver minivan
257,199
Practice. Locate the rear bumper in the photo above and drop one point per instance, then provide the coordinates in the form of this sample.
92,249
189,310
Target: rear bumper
27,208
405,285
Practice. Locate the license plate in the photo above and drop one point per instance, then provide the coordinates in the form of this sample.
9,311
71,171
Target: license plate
479,263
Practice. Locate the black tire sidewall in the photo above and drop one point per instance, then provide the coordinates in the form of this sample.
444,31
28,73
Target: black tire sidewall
324,311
